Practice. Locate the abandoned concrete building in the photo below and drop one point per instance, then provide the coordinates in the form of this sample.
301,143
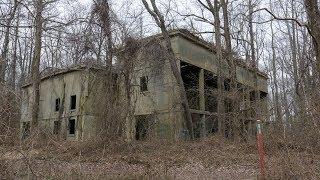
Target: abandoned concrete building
70,99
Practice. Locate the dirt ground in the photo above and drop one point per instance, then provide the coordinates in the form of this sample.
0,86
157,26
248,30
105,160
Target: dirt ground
205,159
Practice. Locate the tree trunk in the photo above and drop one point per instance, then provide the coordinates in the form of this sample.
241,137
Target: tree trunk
313,13
14,57
5,49
284,93
103,9
36,64
158,17
215,10
296,78
275,81
232,68
257,113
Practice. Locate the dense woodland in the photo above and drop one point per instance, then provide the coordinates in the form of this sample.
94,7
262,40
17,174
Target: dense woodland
281,38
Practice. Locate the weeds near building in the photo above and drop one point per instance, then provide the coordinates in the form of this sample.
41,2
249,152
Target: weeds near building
158,89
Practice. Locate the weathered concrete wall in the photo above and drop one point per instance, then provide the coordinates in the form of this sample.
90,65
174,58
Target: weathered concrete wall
196,55
162,98
201,57
246,76
62,86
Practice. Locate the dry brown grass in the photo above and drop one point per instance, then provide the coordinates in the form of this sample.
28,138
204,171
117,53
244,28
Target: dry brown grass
211,158
208,158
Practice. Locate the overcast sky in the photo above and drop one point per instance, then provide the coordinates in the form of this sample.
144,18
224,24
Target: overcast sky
125,9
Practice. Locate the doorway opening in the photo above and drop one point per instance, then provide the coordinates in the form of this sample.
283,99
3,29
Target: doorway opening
142,127
72,127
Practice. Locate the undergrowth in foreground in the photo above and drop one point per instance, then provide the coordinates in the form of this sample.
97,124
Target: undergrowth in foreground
206,158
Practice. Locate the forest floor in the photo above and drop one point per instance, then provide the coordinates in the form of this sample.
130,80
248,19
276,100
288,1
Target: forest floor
206,159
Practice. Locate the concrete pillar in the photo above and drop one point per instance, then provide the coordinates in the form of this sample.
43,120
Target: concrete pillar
129,130
202,102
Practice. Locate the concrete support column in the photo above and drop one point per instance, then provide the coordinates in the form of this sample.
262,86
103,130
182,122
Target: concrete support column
129,129
202,102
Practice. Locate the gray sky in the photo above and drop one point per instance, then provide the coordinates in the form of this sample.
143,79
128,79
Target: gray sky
126,8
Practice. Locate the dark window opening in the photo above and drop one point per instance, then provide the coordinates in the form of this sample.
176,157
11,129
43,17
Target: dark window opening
25,129
211,81
73,102
252,96
228,105
210,91
212,124
263,95
142,127
226,85
240,87
211,102
56,127
57,108
72,126
196,121
144,83
190,77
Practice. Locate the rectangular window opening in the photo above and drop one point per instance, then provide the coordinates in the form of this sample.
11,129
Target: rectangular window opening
144,83
141,127
57,108
190,77
73,102
72,126
56,127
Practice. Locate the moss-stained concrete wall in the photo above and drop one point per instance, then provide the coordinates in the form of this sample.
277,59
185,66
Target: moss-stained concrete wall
200,56
61,86
161,99
196,55
90,85
246,76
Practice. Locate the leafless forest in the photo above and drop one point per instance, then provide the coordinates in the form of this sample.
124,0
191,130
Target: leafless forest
281,38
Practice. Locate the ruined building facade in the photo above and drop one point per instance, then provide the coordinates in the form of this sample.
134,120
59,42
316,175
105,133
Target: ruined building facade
147,97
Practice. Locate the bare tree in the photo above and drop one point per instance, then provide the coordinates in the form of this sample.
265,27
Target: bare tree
313,12
232,67
102,8
254,61
5,49
35,72
13,74
159,19
274,76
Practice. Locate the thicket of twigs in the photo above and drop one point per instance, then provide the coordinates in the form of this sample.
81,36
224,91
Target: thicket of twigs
291,153
9,115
